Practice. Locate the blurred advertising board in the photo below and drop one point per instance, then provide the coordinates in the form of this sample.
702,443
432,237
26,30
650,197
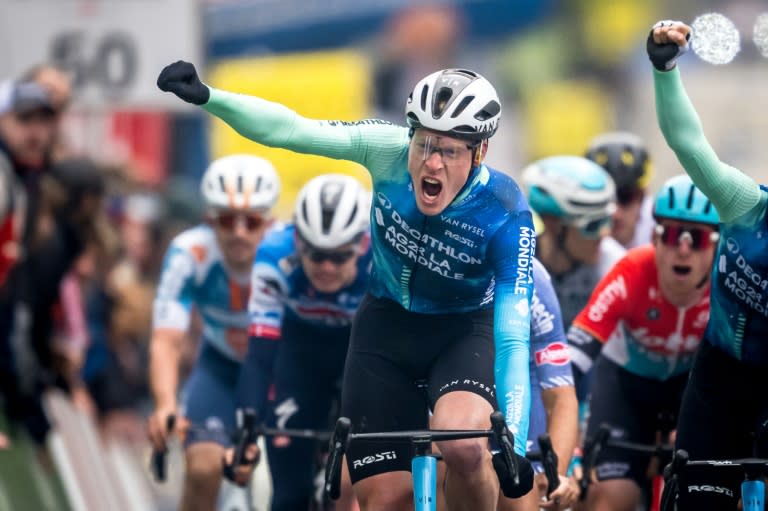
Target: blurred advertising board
114,49
318,85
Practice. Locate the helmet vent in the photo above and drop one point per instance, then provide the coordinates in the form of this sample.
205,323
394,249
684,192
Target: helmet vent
424,94
442,98
257,188
461,106
671,198
222,183
352,216
489,110
240,183
691,191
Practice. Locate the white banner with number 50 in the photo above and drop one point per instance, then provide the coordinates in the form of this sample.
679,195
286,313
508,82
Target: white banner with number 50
113,48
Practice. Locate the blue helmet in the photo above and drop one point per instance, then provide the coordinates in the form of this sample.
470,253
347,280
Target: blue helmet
679,199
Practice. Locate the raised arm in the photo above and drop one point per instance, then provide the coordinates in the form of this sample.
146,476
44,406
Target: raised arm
372,142
731,191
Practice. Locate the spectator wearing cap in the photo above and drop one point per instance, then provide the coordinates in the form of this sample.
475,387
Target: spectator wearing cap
27,126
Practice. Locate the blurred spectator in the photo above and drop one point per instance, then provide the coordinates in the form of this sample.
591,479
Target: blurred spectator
59,87
120,312
417,41
27,125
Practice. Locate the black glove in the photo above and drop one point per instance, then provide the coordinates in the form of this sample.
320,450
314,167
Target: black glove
181,79
664,56
508,487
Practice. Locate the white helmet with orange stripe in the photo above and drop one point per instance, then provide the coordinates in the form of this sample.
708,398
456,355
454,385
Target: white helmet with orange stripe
240,182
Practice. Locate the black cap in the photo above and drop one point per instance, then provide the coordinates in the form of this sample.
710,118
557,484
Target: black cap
24,98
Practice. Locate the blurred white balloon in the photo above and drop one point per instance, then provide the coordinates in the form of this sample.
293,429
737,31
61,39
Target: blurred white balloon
760,34
715,38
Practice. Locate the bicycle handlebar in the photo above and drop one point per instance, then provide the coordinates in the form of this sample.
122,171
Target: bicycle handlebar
337,449
549,461
158,459
342,436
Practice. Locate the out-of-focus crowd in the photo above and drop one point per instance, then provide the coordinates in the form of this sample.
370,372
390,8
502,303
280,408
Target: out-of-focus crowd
80,247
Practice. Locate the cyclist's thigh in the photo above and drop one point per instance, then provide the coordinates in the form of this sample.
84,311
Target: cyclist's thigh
379,391
209,398
713,424
611,404
466,361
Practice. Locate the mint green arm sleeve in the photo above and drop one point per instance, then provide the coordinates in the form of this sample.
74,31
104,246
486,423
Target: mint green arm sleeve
732,192
373,143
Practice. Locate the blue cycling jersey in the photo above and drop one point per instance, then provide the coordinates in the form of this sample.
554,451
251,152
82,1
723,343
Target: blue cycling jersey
739,305
281,289
194,274
550,364
476,254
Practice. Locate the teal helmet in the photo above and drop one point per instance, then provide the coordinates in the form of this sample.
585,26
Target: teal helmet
679,199
574,189
569,187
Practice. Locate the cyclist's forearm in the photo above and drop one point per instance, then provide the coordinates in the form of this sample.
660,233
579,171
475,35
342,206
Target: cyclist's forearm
562,425
256,374
164,357
732,192
513,388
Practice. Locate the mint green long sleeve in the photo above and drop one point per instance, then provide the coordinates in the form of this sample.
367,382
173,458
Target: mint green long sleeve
373,143
733,193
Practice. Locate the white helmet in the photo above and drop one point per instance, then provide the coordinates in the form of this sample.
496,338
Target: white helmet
240,181
331,210
457,102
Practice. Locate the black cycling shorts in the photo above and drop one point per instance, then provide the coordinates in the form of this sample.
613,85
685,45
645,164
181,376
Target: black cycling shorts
724,404
631,405
391,349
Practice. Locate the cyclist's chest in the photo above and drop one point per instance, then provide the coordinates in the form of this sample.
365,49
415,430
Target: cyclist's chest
452,244
741,268
219,295
659,326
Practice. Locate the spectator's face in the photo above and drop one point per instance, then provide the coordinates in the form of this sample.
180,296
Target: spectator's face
684,253
238,234
28,135
332,269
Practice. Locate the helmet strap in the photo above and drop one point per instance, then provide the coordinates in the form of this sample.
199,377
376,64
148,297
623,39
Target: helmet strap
478,153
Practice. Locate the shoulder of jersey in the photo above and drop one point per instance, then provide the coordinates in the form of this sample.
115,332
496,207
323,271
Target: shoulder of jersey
644,254
278,242
199,242
506,190
539,271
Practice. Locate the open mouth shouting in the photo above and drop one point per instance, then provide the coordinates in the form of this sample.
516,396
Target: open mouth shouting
430,189
680,270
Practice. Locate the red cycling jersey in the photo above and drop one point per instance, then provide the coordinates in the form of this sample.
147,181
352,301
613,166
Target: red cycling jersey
641,331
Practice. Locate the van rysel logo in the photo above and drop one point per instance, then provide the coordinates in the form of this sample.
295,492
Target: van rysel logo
375,458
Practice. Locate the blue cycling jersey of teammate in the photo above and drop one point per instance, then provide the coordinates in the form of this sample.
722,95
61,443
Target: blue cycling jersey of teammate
283,300
550,364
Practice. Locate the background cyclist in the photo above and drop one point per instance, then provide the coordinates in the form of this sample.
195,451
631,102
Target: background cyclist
451,284
641,328
307,282
625,157
208,267
724,400
575,198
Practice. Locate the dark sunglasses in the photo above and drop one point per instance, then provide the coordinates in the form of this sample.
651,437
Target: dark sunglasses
700,239
227,221
335,257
